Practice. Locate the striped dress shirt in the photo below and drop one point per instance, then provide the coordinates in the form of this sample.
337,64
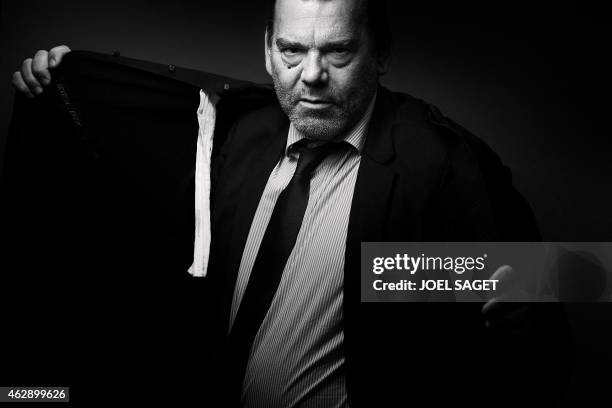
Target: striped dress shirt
297,355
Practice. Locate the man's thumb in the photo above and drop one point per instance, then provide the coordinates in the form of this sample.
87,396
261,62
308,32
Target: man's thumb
509,283
504,272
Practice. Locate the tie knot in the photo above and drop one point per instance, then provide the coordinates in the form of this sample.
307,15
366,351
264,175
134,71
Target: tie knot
311,157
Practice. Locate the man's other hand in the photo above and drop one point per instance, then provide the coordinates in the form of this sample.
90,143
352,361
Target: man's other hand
507,317
35,74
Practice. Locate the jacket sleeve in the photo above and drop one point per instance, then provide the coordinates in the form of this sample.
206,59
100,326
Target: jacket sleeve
514,218
476,173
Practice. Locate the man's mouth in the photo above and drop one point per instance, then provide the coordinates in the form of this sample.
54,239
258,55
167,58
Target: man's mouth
315,103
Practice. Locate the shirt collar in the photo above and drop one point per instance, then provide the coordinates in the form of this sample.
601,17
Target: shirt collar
356,137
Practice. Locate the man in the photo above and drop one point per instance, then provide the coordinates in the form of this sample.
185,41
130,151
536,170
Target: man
382,166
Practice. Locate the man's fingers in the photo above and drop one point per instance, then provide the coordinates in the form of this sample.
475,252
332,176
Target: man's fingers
502,273
28,77
40,67
56,54
20,85
492,307
513,321
496,308
506,317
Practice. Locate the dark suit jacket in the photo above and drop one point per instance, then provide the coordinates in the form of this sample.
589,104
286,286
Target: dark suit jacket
112,154
421,178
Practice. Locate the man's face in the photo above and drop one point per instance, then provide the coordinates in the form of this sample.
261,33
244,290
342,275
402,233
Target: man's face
322,64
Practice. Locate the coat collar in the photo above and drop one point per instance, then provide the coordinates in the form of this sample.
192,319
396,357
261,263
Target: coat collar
369,209
375,176
263,161
372,193
379,145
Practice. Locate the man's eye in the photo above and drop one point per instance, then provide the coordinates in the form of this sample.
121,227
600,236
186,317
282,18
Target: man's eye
339,56
292,55
290,51
340,51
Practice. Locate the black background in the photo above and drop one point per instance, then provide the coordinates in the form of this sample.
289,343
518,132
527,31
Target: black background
532,80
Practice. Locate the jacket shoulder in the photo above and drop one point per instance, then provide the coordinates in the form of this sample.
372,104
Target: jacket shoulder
417,118
465,167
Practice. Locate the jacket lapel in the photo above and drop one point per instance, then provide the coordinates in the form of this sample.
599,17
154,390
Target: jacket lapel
369,209
262,162
373,187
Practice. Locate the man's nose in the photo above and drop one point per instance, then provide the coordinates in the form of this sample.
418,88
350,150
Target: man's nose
314,71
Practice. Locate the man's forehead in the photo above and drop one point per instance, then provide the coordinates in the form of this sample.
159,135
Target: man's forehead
303,20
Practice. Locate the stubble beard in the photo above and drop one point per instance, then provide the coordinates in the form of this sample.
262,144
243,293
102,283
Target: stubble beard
334,122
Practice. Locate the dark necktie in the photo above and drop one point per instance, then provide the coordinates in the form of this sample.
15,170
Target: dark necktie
276,246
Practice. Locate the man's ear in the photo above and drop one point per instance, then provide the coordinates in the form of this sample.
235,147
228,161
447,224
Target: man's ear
268,53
